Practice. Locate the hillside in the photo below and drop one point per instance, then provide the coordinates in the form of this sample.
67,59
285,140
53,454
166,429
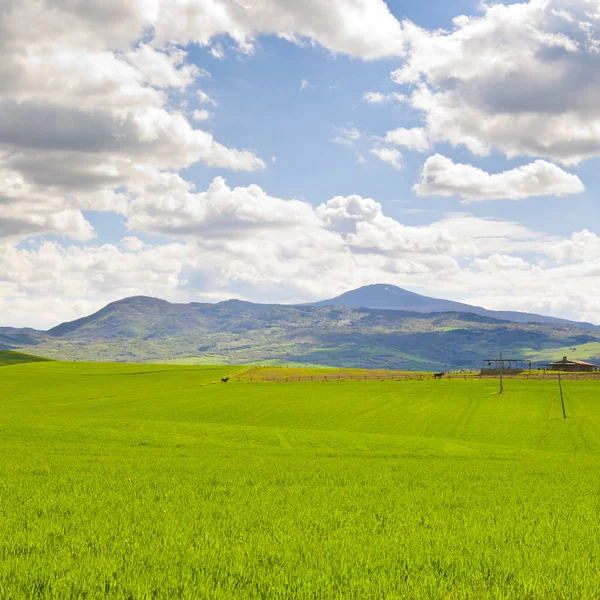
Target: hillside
235,332
7,358
386,296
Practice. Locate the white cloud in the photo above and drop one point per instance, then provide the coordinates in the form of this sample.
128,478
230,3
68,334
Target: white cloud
132,244
28,209
73,280
341,214
241,241
204,98
379,98
521,79
582,246
169,206
304,84
442,177
347,136
217,51
201,115
362,28
83,106
415,139
388,155
163,69
502,262
91,119
86,109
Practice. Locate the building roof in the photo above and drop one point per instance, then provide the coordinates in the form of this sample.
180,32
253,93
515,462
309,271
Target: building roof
565,361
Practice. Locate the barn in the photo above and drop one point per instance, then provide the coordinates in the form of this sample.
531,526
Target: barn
573,366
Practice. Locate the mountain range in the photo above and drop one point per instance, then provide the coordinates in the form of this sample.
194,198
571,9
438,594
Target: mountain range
380,326
391,297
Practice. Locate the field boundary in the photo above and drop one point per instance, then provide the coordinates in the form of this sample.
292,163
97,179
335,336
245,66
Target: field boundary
259,374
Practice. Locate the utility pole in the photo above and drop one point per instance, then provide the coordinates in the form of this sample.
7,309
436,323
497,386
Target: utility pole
562,399
501,370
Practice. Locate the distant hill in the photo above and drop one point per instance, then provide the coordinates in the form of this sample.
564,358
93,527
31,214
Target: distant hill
391,297
235,332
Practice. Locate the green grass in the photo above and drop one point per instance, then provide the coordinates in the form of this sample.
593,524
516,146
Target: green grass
8,357
154,481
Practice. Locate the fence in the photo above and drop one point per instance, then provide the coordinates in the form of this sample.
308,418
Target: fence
283,375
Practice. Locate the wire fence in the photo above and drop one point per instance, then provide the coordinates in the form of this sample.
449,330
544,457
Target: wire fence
270,376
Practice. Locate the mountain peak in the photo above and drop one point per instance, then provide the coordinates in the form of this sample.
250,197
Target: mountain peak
391,297
385,296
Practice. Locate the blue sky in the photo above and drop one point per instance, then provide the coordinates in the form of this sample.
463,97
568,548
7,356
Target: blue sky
289,152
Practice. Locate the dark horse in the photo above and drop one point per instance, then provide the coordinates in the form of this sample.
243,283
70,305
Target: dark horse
438,375
224,379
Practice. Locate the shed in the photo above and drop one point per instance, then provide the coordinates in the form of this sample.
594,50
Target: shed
572,366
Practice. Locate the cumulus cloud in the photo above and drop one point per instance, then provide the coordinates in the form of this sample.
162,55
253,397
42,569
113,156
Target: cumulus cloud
442,177
581,246
132,243
86,109
241,241
27,209
91,118
502,262
520,78
168,205
44,285
362,28
416,138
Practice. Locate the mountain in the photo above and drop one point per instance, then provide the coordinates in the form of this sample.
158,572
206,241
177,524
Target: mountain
391,297
149,329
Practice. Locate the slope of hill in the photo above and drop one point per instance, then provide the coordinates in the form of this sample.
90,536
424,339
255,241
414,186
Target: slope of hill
386,296
147,329
7,357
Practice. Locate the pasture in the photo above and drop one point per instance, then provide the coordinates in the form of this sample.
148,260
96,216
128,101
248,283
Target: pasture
154,481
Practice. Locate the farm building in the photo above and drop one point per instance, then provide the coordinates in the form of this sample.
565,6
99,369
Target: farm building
572,366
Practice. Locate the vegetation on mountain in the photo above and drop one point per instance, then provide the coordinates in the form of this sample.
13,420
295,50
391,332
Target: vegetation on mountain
234,332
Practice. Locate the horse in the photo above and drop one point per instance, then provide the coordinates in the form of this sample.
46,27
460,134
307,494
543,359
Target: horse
224,379
438,375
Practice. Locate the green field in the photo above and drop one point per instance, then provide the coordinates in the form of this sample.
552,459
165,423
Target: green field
138,482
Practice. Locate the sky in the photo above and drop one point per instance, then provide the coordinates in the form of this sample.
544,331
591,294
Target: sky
284,151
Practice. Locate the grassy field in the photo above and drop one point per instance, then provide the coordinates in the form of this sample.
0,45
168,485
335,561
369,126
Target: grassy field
154,481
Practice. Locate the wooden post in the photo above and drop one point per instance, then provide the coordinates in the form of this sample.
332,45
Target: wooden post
562,398
501,369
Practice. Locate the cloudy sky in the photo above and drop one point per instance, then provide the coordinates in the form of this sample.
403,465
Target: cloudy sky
285,151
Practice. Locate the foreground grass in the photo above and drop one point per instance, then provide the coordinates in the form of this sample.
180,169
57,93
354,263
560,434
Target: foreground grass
128,481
